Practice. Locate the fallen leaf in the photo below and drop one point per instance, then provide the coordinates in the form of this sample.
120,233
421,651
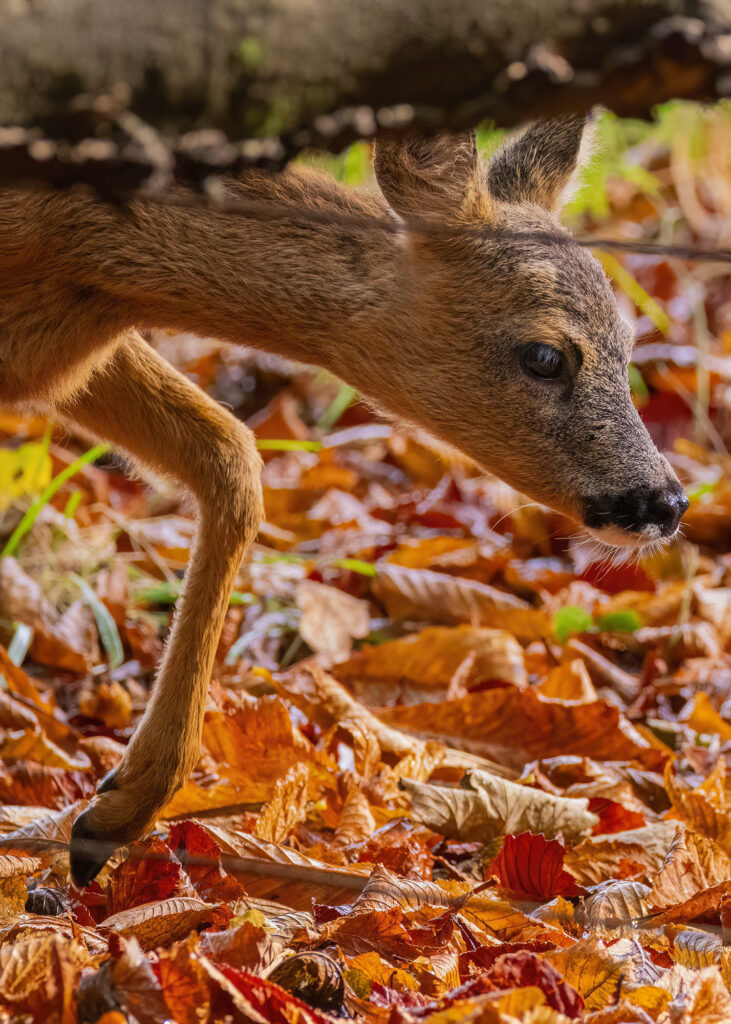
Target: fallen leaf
486,806
513,726
423,593
165,921
331,619
532,867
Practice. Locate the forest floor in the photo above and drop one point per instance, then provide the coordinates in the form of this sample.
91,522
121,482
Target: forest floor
453,767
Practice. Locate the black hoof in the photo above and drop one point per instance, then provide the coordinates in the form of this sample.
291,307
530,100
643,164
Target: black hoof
108,782
88,853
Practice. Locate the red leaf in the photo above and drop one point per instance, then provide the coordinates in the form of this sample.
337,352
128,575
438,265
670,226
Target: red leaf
613,817
150,873
614,579
532,867
271,1001
522,969
476,961
189,840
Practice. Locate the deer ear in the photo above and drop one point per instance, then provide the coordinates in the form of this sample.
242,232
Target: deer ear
541,165
429,179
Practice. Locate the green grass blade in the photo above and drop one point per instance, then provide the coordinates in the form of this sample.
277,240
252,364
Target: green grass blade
26,523
344,398
108,632
634,290
266,444
20,643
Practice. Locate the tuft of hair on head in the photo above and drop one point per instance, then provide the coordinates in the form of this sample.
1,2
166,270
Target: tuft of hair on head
543,164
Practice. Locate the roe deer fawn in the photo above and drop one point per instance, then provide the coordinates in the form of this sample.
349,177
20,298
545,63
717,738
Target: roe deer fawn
506,343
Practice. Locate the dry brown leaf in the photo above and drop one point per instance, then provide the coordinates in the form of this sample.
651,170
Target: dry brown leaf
622,854
33,745
110,703
20,683
327,702
699,996
268,868
705,718
424,662
513,726
165,921
356,820
569,681
252,748
592,970
12,866
384,890
696,949
45,837
613,903
286,807
39,976
486,806
693,863
331,619
436,596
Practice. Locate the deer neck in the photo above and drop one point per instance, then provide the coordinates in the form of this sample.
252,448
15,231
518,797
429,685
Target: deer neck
308,288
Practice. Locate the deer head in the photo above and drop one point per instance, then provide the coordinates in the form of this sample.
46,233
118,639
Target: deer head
521,358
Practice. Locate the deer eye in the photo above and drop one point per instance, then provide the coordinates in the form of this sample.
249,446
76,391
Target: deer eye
542,361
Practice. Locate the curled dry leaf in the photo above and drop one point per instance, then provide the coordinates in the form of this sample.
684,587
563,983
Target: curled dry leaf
697,949
149,873
331,619
569,681
327,702
12,866
486,806
45,837
356,820
385,890
592,970
423,663
285,807
268,868
705,808
425,594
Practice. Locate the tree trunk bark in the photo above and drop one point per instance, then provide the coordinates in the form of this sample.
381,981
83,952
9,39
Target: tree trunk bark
275,76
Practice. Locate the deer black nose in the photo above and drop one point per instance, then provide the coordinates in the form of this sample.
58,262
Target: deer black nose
638,509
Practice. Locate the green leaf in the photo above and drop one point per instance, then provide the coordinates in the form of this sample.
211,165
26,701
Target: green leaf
570,620
698,491
620,622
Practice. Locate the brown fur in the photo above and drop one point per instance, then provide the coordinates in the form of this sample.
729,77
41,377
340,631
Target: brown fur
430,325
